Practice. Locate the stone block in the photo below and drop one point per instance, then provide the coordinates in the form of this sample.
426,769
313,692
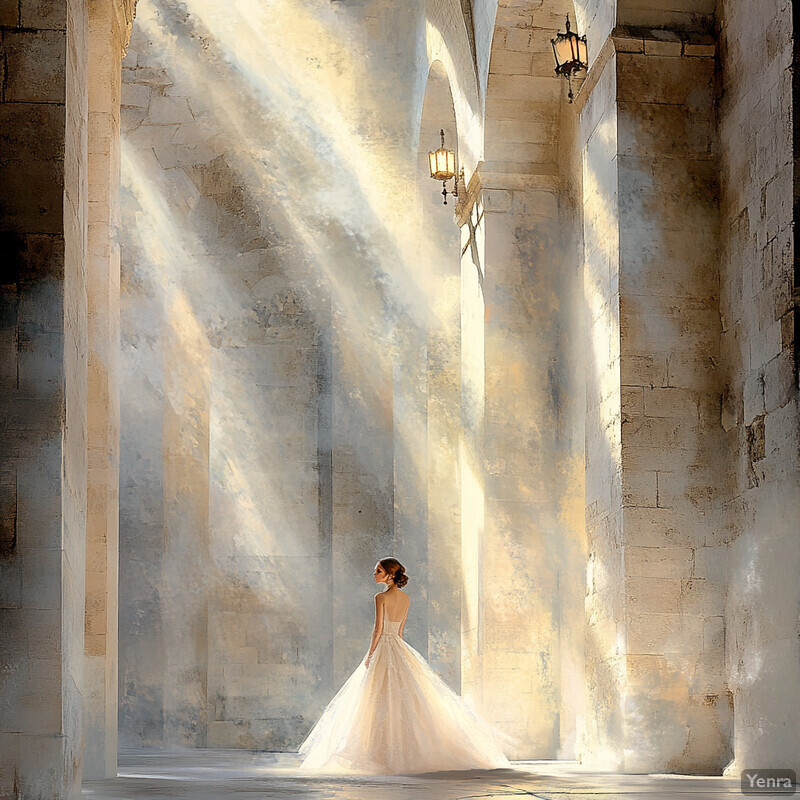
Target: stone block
692,626
168,110
657,527
656,47
521,87
779,382
44,637
701,50
690,488
41,363
661,130
43,14
170,156
515,131
659,432
505,62
625,44
709,563
661,79
103,130
765,344
632,402
684,198
32,135
643,369
518,39
10,582
34,751
753,396
701,597
654,634
653,595
135,95
41,578
131,118
36,64
669,402
692,370
658,562
639,490
708,674
9,15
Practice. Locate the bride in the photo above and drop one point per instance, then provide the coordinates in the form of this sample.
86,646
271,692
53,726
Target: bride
394,714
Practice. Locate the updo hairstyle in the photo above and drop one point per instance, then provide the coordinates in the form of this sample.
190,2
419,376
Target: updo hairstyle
394,568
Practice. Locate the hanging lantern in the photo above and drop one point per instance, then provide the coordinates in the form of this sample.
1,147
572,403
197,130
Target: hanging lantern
443,168
571,55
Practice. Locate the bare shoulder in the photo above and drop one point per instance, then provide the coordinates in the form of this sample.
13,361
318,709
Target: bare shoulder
379,598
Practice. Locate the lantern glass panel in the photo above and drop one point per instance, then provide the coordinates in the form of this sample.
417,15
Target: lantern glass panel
583,54
563,49
442,163
573,48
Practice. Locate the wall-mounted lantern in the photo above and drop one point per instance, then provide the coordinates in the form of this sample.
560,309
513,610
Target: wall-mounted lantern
571,55
443,168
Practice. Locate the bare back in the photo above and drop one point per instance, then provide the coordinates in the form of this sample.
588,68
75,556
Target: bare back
395,605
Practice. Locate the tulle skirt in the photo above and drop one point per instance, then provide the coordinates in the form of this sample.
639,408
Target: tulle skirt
398,716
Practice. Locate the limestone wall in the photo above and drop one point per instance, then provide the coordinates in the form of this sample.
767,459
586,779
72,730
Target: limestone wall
311,377
759,324
657,459
601,729
219,419
43,224
258,428
108,31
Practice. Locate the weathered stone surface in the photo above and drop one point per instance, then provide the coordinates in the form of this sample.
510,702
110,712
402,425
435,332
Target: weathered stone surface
595,431
26,52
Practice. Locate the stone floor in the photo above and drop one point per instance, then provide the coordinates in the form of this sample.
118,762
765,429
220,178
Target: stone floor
218,774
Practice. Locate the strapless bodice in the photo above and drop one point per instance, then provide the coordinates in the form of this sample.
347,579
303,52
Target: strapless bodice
391,628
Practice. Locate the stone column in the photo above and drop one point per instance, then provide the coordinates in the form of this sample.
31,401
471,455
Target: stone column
470,454
108,31
524,289
43,217
534,549
655,454
442,236
438,262
760,305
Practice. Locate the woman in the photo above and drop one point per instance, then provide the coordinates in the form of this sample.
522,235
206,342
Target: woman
394,714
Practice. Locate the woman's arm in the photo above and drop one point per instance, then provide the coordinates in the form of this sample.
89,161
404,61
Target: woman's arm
377,630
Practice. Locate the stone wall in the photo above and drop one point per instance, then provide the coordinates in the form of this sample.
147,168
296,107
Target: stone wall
258,428
43,224
109,27
220,465
601,731
306,387
759,412
658,463
532,429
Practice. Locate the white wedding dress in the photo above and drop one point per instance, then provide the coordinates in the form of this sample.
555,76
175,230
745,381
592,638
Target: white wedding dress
398,716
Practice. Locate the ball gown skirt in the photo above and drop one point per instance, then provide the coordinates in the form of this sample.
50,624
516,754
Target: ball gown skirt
398,716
